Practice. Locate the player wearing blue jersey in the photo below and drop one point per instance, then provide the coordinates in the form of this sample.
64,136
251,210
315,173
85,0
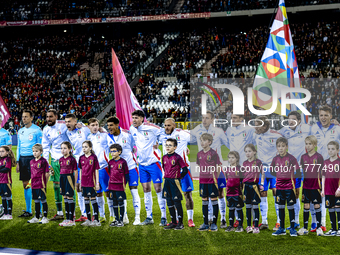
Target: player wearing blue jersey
124,138
146,136
219,138
183,138
77,136
28,136
5,137
54,134
296,134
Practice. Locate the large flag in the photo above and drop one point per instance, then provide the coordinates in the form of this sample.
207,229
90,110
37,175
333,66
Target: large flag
125,100
4,112
278,65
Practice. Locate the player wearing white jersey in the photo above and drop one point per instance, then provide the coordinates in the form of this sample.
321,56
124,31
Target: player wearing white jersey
77,135
219,138
54,134
238,136
124,138
296,134
325,132
183,138
148,156
265,139
102,151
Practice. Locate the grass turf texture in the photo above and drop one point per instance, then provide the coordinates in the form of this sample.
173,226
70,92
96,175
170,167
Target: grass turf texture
152,239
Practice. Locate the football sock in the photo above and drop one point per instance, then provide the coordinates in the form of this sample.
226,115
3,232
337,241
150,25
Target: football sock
4,204
248,214
240,216
136,202
231,215
179,208
297,208
148,204
205,211
87,208
172,210
110,205
9,205
222,207
176,214
45,207
125,208
101,206
28,199
291,215
115,208
318,217
215,210
337,210
190,214
95,209
323,211
277,211
305,218
264,210
282,215
71,206
332,218
66,208
257,215
162,204
210,210
312,213
121,209
236,215
37,208
81,203
58,198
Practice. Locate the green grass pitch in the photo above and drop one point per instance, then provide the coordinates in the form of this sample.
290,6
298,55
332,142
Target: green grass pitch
152,239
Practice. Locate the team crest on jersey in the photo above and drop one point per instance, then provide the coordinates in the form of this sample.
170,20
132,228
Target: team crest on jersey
30,137
68,162
123,141
286,163
244,134
91,161
209,158
178,138
333,131
277,199
327,202
314,161
98,137
59,132
173,162
271,140
38,165
214,133
145,133
120,166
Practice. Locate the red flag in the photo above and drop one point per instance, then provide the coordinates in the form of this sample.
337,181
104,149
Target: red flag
125,100
4,112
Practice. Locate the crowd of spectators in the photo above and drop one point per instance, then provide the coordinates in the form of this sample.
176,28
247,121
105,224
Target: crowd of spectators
190,6
316,44
73,9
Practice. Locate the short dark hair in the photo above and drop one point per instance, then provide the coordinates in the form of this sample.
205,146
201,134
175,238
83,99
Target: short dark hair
295,113
70,115
174,141
116,146
55,113
92,120
113,119
211,114
28,111
282,140
138,113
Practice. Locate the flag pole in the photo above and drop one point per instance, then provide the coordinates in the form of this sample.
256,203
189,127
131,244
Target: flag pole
268,33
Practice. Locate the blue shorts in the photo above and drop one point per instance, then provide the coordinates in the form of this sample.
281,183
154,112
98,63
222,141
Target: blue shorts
221,181
153,171
269,183
298,182
187,183
133,177
78,175
103,180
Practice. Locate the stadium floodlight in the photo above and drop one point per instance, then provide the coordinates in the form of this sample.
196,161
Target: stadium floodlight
65,31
